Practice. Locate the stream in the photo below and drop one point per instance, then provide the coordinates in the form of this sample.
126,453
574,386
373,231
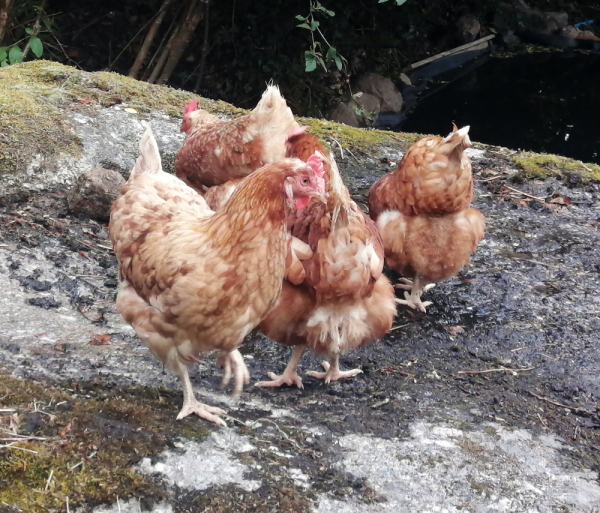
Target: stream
542,102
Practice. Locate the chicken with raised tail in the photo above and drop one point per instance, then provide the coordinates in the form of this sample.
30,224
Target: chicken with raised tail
194,281
344,301
216,151
422,210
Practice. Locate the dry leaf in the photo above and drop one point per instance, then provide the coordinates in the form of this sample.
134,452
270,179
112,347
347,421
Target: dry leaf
454,330
100,340
522,202
63,432
130,110
561,201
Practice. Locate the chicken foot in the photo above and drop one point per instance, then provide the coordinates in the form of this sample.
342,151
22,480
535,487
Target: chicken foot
413,300
333,372
192,405
290,375
233,365
407,284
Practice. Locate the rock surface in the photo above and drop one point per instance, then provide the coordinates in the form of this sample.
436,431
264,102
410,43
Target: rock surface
486,403
94,192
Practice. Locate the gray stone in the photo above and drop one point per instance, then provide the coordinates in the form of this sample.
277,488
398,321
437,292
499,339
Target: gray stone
94,192
468,28
520,17
343,113
367,108
382,88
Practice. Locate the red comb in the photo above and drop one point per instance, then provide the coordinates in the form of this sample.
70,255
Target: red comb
190,106
316,164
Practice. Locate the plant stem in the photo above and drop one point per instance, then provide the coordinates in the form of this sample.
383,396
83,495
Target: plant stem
36,29
5,6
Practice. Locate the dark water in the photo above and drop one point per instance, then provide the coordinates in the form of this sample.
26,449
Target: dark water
543,102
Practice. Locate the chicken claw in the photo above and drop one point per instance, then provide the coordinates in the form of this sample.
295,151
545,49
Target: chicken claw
413,301
407,284
333,372
191,404
287,378
233,365
290,375
203,411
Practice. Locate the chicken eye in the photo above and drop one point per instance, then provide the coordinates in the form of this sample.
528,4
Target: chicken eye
304,181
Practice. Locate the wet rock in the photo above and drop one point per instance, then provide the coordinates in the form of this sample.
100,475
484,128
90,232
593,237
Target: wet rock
383,89
468,28
94,192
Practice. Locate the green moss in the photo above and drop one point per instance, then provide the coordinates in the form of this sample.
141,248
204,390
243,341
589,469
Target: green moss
92,438
540,165
361,139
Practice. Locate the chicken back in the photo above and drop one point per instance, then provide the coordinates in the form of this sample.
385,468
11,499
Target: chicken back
422,210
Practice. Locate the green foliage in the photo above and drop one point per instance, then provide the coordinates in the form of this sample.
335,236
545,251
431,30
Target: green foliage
398,2
26,40
314,57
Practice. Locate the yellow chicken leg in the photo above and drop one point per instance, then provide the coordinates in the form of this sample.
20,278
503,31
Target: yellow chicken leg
407,284
413,300
333,372
233,365
191,405
290,375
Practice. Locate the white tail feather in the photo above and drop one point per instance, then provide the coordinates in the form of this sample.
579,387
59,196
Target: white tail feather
149,159
336,189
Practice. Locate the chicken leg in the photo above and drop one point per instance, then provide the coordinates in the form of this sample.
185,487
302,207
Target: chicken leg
233,365
192,405
413,300
333,372
290,375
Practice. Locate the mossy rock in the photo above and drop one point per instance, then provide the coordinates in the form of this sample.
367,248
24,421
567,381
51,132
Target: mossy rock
540,165
85,443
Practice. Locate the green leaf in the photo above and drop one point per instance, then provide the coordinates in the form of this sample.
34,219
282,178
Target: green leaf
3,64
331,53
29,31
15,55
301,18
338,62
382,1
304,25
311,63
400,2
3,54
314,25
36,46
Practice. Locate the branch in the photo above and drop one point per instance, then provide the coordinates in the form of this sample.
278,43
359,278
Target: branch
204,50
141,56
5,6
192,18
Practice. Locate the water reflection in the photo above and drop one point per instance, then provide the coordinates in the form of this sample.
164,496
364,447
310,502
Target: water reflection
544,102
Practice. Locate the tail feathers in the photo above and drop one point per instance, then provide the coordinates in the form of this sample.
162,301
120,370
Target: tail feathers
273,114
458,140
339,200
149,159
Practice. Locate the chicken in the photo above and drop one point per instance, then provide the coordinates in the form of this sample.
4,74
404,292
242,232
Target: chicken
216,151
194,281
301,146
422,211
345,301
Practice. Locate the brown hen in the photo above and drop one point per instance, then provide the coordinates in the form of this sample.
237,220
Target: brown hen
194,281
422,210
344,301
216,151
